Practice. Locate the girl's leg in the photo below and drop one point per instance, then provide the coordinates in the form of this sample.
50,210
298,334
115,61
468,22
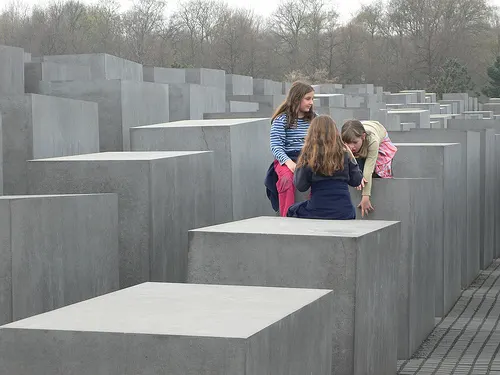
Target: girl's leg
285,187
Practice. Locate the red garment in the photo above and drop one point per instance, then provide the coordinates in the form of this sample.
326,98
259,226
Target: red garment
285,187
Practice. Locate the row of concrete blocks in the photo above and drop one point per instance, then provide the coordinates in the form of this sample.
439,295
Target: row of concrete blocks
222,270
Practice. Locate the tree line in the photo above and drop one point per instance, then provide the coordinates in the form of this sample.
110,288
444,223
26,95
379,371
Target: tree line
399,44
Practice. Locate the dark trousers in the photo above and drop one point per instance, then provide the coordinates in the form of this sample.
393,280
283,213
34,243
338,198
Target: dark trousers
361,163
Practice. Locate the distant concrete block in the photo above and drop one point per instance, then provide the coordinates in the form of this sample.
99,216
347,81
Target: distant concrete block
56,250
447,109
411,202
11,70
497,210
163,75
122,105
1,155
286,87
420,95
207,77
186,102
331,100
358,260
327,88
267,87
442,119
443,162
214,99
239,194
401,98
233,106
266,102
430,97
361,88
433,108
239,85
261,113
420,117
177,329
470,150
458,106
34,72
27,57
161,195
38,126
462,96
495,107
102,65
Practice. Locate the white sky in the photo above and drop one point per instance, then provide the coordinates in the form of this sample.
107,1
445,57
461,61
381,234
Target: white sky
263,7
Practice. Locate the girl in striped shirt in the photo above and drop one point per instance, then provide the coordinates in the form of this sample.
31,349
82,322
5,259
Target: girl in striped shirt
289,128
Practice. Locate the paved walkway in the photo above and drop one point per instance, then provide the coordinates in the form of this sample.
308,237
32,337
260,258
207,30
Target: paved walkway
467,341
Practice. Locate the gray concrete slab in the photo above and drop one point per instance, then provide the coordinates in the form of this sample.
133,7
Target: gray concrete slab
420,95
488,196
11,70
207,77
38,126
163,75
433,108
239,194
186,102
177,329
441,161
266,87
239,85
357,259
265,113
400,98
411,202
1,155
420,117
56,250
330,100
102,65
214,99
34,72
496,253
458,105
122,105
470,150
161,196
463,96
233,106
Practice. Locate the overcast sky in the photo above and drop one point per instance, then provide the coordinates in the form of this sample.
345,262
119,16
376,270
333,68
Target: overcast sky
264,7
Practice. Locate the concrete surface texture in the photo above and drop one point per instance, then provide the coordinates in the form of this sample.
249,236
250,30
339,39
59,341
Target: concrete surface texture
38,126
442,162
411,202
34,72
239,193
177,329
163,75
288,252
11,70
56,250
161,196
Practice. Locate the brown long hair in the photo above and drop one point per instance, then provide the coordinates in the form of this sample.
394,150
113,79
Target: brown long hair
323,149
351,131
291,105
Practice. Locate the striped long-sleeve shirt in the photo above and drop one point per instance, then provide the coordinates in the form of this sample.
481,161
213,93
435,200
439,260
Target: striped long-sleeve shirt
285,140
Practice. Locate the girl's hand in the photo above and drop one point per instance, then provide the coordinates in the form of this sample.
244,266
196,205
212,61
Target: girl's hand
362,185
291,165
365,205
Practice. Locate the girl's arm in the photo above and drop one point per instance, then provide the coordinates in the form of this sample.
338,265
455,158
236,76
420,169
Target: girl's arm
277,139
355,174
302,178
371,159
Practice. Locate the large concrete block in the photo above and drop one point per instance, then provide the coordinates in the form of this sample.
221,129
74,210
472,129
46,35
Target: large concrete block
266,102
1,155
11,70
470,150
361,88
102,65
497,205
261,113
411,201
458,106
463,96
214,99
357,259
442,119
56,250
266,87
433,108
420,117
232,106
207,77
186,102
38,126
443,162
239,193
34,72
239,85
330,100
161,196
177,329
488,195
326,88
430,97
420,95
122,105
163,75
401,98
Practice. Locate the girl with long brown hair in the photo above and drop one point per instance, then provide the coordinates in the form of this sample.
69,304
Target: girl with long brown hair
328,167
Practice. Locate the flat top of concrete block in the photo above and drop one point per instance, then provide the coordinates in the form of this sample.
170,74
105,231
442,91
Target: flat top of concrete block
414,144
407,110
178,309
299,227
126,155
23,197
441,115
327,95
195,123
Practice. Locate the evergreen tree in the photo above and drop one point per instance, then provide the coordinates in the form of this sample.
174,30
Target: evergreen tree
452,77
492,90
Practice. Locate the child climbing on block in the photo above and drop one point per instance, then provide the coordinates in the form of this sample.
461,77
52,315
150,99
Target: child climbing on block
290,123
326,166
371,145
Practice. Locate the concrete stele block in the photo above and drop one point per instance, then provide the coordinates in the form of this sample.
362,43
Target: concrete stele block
102,65
39,126
238,193
239,85
411,202
186,102
463,96
161,196
357,259
470,150
207,77
11,70
266,87
56,250
441,161
163,75
122,105
34,72
177,329
420,117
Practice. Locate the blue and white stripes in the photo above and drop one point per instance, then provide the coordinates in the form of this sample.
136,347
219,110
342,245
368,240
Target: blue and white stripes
285,140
